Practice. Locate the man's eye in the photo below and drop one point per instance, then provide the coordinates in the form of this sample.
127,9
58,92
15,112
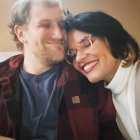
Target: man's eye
46,25
62,24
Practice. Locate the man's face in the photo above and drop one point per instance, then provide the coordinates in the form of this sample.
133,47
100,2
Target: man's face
44,37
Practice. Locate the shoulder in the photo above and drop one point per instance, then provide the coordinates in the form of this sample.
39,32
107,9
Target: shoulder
10,65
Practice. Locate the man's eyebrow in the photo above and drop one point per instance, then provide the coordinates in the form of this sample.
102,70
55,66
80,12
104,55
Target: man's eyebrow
49,20
44,21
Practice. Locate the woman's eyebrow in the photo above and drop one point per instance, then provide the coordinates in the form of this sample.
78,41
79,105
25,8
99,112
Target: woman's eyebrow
81,41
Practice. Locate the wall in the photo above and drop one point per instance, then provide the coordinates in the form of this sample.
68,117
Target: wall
126,11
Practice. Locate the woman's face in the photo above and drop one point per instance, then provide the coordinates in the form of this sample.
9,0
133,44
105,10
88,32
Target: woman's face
92,56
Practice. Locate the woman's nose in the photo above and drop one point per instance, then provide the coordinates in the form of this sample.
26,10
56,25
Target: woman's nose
80,56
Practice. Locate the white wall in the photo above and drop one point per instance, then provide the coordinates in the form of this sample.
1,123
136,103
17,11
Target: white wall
6,55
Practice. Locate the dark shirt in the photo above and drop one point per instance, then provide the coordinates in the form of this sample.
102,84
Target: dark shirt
40,105
91,117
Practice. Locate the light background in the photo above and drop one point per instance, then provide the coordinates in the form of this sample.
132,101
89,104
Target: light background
126,11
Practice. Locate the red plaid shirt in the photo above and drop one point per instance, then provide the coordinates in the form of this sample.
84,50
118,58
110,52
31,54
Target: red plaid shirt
86,111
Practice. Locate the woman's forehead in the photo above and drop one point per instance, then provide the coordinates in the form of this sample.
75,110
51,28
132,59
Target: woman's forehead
77,35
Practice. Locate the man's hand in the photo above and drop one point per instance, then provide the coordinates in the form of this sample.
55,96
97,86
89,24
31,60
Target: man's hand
5,138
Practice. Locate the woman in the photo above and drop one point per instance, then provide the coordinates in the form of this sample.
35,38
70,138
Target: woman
101,49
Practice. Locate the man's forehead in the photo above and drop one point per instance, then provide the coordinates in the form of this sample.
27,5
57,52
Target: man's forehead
43,12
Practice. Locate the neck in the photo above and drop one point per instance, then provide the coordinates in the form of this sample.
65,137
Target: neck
112,72
34,65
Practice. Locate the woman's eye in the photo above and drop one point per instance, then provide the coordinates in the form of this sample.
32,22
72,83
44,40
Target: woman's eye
85,43
89,42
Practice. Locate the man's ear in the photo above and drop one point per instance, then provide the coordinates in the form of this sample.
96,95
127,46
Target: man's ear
19,31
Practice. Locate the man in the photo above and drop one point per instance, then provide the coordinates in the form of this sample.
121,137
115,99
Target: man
41,97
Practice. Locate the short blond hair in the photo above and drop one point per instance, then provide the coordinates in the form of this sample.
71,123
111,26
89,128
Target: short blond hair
20,14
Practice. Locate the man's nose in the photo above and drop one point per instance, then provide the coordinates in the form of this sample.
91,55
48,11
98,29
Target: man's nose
57,32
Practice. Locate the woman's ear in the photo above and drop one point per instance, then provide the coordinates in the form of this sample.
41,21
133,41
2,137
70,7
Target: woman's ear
131,56
19,31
